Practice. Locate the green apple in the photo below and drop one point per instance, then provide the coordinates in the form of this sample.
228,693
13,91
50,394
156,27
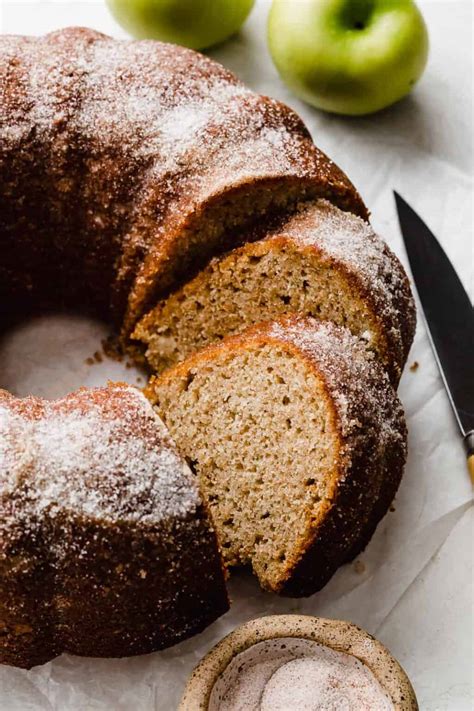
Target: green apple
193,23
348,56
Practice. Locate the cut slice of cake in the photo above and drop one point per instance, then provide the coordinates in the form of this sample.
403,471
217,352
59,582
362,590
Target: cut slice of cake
321,262
299,443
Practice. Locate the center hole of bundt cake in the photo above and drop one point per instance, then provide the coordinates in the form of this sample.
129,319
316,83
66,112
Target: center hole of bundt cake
253,428
52,355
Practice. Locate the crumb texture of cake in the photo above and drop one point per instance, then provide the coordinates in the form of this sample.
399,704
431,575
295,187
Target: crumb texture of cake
321,262
298,440
102,528
126,165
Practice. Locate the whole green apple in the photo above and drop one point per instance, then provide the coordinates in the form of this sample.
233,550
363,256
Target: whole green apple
348,56
193,23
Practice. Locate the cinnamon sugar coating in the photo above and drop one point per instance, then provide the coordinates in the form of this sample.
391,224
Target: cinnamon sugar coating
124,167
268,637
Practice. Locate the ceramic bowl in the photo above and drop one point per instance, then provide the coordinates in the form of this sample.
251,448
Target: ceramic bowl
288,635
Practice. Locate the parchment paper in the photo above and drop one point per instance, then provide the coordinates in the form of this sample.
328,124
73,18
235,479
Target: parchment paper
412,587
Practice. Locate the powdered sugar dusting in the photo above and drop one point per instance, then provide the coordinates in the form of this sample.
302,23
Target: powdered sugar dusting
99,453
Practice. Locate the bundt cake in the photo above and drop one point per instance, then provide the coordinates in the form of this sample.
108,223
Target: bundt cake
299,443
106,549
125,168
321,262
126,165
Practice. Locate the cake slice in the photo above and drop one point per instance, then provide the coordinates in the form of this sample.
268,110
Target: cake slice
299,443
321,262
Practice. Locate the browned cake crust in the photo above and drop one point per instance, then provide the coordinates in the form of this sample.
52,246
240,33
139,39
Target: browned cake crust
366,416
124,166
372,455
106,549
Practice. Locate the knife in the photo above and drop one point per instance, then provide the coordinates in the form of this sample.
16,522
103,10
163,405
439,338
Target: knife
449,318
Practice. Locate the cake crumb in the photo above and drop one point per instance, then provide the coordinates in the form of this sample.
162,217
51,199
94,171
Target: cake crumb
392,509
98,357
414,366
359,567
89,361
112,349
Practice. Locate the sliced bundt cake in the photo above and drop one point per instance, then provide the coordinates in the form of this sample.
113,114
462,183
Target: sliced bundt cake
105,547
125,167
299,443
320,262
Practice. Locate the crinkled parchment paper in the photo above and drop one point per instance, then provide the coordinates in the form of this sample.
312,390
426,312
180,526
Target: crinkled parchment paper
412,587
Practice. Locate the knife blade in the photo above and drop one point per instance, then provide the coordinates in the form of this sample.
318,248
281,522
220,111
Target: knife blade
449,317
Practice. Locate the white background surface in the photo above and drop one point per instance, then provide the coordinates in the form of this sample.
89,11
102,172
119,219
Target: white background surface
413,585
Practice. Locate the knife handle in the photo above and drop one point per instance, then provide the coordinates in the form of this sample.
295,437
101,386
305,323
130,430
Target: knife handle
469,444
470,466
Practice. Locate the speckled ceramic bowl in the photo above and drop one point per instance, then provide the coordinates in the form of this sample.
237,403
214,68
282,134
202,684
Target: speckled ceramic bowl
207,682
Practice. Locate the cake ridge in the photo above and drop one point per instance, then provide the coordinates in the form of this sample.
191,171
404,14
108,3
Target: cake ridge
106,548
